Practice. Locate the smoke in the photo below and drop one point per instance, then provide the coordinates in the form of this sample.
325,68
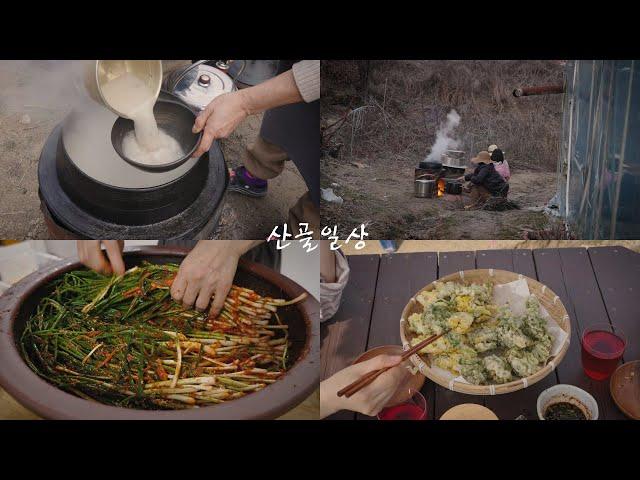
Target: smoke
444,137
40,85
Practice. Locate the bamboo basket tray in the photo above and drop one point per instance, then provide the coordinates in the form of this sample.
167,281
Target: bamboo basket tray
548,299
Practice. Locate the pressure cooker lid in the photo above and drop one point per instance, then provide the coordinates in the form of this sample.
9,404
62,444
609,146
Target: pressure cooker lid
253,72
197,85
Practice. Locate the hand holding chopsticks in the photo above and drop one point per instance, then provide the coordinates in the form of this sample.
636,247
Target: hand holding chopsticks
368,378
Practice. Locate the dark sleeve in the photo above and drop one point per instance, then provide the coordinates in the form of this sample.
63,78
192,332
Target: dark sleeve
479,176
469,176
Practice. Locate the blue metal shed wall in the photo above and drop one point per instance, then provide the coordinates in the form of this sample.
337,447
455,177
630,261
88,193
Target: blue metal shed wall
599,165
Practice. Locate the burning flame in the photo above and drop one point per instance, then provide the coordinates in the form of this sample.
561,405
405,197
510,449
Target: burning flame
441,184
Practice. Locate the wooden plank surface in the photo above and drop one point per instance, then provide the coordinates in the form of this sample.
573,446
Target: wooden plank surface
452,262
523,263
617,271
344,337
497,259
582,287
400,276
11,409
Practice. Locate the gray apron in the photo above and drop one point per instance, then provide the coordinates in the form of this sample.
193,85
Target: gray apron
296,129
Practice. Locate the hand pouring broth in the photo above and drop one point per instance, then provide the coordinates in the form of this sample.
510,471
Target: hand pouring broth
147,144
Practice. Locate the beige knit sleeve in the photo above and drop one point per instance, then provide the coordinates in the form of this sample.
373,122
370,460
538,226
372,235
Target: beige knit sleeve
331,293
307,76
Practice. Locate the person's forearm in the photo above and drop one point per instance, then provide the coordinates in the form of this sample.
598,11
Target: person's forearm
328,402
275,92
239,247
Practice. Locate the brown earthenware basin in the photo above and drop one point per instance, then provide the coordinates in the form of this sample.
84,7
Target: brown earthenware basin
18,303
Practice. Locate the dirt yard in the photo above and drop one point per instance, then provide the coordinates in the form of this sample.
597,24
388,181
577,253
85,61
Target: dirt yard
36,95
379,120
381,196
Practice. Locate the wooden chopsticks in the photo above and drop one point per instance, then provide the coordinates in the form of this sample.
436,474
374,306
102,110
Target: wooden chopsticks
371,376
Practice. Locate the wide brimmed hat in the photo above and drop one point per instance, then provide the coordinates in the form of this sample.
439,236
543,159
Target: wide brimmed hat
483,157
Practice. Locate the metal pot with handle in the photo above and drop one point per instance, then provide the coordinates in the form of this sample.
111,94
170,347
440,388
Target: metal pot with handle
199,83
97,73
424,188
454,159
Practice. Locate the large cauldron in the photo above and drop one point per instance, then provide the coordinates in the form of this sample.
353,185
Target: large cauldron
18,303
89,190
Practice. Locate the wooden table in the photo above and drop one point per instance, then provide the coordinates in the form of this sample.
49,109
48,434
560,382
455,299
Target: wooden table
10,409
596,285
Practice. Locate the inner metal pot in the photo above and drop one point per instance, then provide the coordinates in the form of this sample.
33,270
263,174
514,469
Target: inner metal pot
173,117
454,159
46,400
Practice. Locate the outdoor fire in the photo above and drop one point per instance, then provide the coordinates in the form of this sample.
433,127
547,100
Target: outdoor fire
441,184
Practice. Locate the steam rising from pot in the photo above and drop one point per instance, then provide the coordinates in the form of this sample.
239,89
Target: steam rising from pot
40,85
445,139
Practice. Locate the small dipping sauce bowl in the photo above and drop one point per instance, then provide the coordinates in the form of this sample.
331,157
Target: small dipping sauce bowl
563,393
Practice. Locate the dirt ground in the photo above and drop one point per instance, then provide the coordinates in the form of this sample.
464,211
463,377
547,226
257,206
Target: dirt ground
36,95
380,195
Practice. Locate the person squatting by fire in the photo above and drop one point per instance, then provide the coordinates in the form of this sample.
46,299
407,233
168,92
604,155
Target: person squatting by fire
490,177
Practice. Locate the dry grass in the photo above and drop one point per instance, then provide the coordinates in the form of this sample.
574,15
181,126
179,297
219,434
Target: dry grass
399,105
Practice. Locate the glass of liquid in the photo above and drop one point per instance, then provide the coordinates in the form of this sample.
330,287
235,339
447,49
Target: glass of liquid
602,349
414,408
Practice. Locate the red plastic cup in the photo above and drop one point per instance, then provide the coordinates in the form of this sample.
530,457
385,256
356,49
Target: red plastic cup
415,408
602,349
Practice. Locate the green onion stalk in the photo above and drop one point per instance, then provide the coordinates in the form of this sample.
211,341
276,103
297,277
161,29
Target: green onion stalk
123,341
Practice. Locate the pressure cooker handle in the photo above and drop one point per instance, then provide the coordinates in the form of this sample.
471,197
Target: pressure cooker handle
225,65
220,64
186,70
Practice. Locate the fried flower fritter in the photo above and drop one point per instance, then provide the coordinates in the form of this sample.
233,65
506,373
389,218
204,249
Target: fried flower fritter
484,343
